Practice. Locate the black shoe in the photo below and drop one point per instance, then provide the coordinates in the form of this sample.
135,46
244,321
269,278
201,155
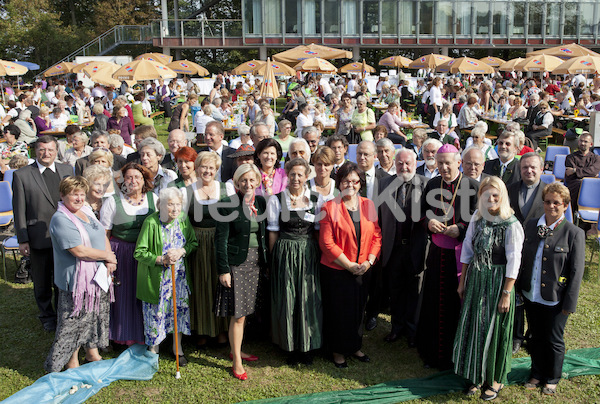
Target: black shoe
371,324
363,359
306,358
516,346
342,365
293,359
472,390
49,326
392,337
489,397
182,361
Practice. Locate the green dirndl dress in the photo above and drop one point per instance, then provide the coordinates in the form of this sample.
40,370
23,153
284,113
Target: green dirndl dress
296,306
483,342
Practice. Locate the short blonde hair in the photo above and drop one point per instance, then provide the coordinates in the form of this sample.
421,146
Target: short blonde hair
96,154
207,156
96,171
494,182
243,170
73,183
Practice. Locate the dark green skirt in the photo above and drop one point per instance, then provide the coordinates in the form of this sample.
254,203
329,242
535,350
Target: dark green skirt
296,307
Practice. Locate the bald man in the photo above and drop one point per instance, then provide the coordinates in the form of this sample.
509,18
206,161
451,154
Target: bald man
176,140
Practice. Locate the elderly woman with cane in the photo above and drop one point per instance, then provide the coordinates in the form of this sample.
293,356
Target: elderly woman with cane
166,238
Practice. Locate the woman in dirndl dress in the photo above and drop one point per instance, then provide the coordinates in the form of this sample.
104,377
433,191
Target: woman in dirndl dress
166,239
491,257
296,307
241,251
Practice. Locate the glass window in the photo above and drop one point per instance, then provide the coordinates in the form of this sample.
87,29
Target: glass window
331,11
500,18
553,19
482,18
426,10
350,12
463,18
586,18
389,17
408,12
518,18
570,19
444,18
253,14
312,25
535,18
292,16
272,10
370,16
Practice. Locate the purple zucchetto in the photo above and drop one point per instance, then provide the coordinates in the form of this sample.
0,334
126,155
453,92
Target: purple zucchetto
447,148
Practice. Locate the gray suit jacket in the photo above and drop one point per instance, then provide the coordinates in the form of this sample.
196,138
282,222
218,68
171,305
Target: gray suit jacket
33,206
537,209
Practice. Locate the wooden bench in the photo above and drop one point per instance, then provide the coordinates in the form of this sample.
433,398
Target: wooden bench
558,135
158,114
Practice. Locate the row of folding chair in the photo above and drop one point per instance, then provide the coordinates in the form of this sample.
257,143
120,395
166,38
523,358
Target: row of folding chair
6,218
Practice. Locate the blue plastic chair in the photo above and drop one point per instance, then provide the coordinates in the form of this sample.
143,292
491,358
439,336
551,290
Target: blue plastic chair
569,213
8,176
352,152
589,201
553,151
8,244
6,209
559,167
597,150
547,178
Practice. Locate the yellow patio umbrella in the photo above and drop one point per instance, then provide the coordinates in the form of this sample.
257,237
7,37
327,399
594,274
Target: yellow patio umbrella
395,61
357,67
278,69
10,69
157,57
430,61
493,61
565,51
312,50
268,88
187,67
104,77
143,69
248,67
579,65
315,65
99,63
465,66
510,65
59,68
539,63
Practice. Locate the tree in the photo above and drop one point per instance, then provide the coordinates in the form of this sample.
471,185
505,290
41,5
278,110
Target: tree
109,13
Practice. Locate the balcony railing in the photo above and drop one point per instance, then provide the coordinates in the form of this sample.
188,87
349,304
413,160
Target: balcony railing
200,28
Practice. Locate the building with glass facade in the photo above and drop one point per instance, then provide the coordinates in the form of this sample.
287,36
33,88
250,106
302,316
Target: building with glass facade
409,24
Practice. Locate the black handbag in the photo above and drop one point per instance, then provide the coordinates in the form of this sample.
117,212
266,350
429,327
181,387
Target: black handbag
23,274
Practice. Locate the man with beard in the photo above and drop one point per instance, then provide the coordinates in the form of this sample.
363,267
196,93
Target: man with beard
506,166
580,164
429,150
473,161
404,243
448,204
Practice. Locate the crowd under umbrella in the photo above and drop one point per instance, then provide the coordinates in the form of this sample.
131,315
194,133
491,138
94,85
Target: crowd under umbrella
579,65
187,67
565,51
493,61
315,65
465,66
395,61
143,69
539,63
430,61
59,69
292,56
509,66
248,67
156,57
10,69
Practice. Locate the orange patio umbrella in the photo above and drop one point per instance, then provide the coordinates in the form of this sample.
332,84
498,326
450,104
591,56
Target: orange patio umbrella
579,65
268,88
565,51
248,67
302,52
430,61
539,63
10,69
357,67
278,69
395,61
510,65
157,57
315,65
59,68
187,67
99,63
143,69
493,61
465,66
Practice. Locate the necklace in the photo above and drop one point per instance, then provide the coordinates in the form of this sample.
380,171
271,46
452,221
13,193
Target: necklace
204,192
295,198
130,201
353,208
453,198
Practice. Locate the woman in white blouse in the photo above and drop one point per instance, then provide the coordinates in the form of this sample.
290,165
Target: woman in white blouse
323,184
304,119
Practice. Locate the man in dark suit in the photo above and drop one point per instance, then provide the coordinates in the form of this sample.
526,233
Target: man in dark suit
429,150
35,200
404,241
339,145
213,136
526,200
473,161
176,140
532,111
99,140
365,159
506,166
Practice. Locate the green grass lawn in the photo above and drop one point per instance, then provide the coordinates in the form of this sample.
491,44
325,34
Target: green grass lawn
207,378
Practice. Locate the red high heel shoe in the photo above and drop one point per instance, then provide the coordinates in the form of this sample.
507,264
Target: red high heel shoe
243,376
250,358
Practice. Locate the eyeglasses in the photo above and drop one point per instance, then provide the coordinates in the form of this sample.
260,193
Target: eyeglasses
350,182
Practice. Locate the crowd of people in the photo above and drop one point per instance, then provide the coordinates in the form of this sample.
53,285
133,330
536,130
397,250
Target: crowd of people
285,235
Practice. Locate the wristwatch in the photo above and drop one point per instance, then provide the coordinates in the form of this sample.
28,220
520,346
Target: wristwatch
371,262
506,292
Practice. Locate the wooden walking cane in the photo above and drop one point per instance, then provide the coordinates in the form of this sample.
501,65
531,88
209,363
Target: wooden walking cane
176,334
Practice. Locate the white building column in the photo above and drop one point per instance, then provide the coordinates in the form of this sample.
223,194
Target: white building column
356,53
262,53
444,50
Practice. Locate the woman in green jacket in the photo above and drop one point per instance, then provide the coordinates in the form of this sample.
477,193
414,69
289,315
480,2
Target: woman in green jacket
241,251
166,238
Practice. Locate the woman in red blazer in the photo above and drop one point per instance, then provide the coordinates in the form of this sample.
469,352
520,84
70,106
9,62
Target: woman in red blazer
345,264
